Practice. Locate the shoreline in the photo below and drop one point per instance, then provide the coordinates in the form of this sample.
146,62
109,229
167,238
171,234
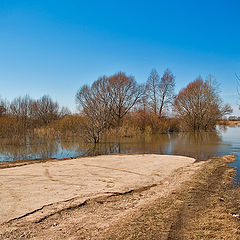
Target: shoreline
24,162
104,215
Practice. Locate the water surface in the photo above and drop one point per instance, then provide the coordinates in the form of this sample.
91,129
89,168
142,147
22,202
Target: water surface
202,146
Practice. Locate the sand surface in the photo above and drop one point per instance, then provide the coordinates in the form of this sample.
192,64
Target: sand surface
28,188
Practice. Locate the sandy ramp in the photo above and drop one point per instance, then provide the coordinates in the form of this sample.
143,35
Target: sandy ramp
26,188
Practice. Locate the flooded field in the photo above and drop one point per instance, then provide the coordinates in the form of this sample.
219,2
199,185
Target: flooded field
193,144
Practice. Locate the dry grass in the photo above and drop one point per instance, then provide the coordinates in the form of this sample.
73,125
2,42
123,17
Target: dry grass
201,209
229,123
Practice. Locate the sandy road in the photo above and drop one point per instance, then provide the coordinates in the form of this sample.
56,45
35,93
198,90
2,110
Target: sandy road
27,188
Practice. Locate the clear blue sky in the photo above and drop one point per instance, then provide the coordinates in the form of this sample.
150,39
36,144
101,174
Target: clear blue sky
55,46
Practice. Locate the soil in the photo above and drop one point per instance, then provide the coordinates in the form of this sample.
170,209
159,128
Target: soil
25,189
193,201
206,207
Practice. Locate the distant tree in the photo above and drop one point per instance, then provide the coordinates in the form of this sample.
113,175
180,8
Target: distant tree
238,87
160,92
3,107
124,93
20,107
92,105
152,91
106,102
2,110
45,110
199,106
166,90
64,111
212,82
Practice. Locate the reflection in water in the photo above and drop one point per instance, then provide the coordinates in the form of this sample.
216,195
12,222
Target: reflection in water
28,149
200,145
145,144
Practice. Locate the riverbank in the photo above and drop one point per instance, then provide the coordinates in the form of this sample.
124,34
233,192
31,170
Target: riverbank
229,123
140,197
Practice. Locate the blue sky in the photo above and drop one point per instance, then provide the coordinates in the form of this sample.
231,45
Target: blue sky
54,46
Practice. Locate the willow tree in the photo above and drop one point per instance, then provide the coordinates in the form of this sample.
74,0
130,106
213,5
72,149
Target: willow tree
199,106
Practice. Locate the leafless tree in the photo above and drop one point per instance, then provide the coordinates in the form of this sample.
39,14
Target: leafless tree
93,105
106,102
212,82
20,107
45,110
2,110
238,87
4,105
198,106
152,91
166,91
124,93
64,111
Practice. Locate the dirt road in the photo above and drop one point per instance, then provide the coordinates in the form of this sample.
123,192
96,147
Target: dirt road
25,189
174,199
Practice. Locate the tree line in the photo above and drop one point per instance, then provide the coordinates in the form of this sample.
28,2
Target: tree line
23,114
108,100
118,105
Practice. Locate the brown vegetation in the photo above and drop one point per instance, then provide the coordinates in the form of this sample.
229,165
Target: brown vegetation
143,122
198,106
202,208
106,102
117,105
24,114
228,123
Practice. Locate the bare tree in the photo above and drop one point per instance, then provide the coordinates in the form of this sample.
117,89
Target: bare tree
21,108
152,91
2,110
166,91
92,104
198,106
4,105
64,111
124,93
45,110
238,87
212,82
106,102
